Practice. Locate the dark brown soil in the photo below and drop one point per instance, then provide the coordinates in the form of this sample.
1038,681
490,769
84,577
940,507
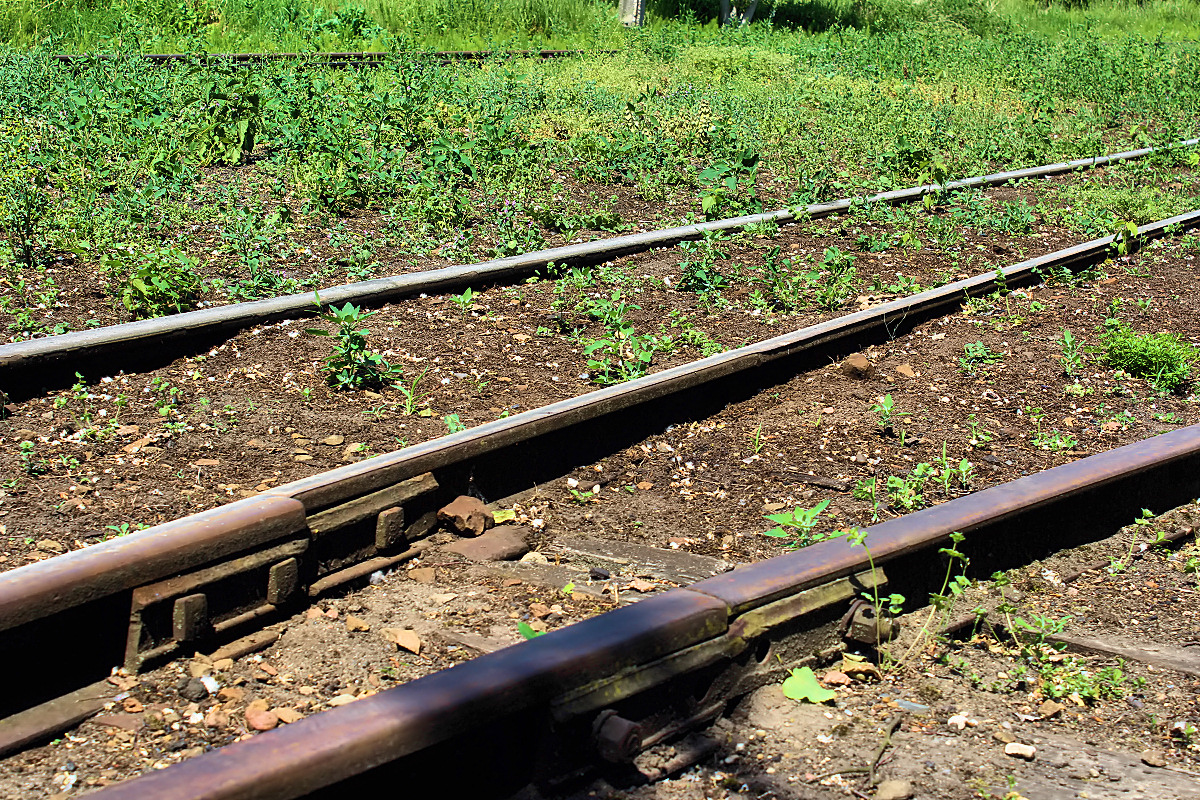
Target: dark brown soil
128,450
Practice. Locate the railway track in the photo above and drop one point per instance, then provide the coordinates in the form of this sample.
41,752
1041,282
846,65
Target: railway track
602,690
34,365
663,664
365,60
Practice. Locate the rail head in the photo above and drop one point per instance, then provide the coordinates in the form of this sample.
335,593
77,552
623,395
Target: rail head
73,579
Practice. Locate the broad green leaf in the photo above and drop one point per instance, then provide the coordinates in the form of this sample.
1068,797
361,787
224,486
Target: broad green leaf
802,685
528,632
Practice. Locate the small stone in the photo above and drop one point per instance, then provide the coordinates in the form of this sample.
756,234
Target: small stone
223,664
639,585
771,508
915,708
341,700
124,430
906,371
501,544
288,715
354,624
25,435
1050,709
1018,750
894,790
857,366
302,458
195,690
598,574
835,678
216,718
535,558
663,447
443,598
260,719
539,610
199,669
206,462
1003,736
467,515
126,722
1153,758
958,721
645,486
231,694
403,638
333,441
423,574
51,546
258,444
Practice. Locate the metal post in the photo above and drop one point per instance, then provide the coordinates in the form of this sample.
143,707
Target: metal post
632,13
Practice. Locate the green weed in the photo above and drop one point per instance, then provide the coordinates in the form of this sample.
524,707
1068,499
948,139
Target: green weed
1163,358
352,365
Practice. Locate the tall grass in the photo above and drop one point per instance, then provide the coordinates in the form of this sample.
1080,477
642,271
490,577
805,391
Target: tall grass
304,25
295,25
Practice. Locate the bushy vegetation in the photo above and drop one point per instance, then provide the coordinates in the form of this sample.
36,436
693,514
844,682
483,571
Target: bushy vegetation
1162,358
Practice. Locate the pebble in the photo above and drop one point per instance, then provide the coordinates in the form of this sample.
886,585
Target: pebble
1018,750
894,790
194,690
261,720
857,366
288,715
836,678
916,708
333,441
466,515
535,558
422,574
958,721
502,544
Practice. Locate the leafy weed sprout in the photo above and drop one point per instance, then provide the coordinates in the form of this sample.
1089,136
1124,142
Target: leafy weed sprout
352,365
798,526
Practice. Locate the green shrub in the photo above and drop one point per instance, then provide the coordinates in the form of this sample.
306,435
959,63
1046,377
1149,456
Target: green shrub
156,283
1162,358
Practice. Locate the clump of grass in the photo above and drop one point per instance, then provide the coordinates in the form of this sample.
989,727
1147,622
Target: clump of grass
1162,358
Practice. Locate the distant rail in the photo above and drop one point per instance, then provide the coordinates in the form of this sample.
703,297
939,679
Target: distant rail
344,60
33,365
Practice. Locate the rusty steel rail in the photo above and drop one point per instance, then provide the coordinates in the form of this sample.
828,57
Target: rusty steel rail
359,59
26,367
602,688
200,582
